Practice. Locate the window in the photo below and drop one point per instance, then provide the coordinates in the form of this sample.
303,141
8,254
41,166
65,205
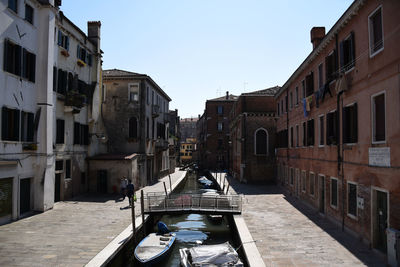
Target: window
334,192
321,130
291,137
350,124
133,92
62,81
375,28
310,132
59,165
330,66
133,127
29,14
147,128
304,134
81,134
219,143
28,65
283,139
282,106
331,134
310,84
352,199
291,100
67,169
297,135
291,176
320,76
347,53
13,5
220,126
220,110
278,109
303,181
63,41
312,183
297,95
12,57
148,95
27,126
303,89
10,124
60,131
378,118
82,54
261,144
286,103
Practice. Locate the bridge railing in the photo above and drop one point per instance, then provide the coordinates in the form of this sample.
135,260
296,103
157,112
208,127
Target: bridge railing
158,202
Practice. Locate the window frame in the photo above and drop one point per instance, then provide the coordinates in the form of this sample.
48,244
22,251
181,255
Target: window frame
350,65
133,128
16,6
345,139
134,92
348,192
373,117
337,193
57,132
297,136
334,128
220,129
370,34
33,13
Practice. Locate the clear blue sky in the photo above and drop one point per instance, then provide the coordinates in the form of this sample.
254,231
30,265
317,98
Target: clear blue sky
199,49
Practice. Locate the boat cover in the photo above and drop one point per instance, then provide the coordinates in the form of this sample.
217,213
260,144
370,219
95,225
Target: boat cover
221,255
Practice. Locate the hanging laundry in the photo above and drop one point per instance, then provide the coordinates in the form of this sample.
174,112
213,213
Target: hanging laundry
326,89
305,107
308,103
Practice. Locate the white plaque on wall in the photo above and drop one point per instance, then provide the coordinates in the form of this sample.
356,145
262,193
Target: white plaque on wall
379,156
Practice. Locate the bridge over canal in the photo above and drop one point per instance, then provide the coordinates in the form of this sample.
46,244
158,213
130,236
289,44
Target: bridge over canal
159,203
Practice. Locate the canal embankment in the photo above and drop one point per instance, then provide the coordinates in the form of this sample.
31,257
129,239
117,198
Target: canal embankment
247,244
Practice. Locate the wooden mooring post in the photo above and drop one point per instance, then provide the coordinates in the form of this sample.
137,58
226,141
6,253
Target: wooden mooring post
133,220
227,189
142,210
165,189
170,183
223,188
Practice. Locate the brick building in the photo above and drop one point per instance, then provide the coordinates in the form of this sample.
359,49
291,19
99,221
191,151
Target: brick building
252,136
338,122
214,135
187,128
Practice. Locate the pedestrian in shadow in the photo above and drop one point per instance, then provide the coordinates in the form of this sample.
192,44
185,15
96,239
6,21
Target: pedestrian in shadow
130,190
123,185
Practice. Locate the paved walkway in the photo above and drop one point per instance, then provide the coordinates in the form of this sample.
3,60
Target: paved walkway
288,233
70,234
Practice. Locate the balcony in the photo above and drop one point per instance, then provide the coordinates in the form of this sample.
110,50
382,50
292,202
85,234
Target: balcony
75,100
162,144
155,111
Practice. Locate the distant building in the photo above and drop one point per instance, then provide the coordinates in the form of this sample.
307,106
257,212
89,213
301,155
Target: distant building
174,139
186,150
252,137
136,119
214,134
338,123
188,128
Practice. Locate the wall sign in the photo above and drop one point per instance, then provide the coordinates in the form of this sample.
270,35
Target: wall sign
379,156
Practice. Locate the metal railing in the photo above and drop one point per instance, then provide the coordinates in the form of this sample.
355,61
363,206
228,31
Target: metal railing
185,203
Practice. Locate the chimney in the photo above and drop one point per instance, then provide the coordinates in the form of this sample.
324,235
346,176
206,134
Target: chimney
317,34
94,33
227,94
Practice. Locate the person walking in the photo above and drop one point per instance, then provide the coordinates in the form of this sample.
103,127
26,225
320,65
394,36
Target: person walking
130,190
123,185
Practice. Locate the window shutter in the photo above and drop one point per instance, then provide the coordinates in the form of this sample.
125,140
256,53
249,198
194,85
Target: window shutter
76,133
352,49
32,67
344,127
23,130
59,42
78,51
25,61
4,123
355,124
67,43
16,125
30,127
18,51
341,54
55,79
85,135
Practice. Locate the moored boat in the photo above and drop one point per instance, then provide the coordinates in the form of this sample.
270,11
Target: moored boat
154,248
210,255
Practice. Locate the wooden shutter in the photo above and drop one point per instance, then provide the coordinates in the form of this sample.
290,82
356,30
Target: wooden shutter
67,43
354,124
59,41
25,61
16,124
4,123
32,67
76,133
17,59
55,79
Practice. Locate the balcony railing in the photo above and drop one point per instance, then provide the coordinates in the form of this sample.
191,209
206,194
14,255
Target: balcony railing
155,110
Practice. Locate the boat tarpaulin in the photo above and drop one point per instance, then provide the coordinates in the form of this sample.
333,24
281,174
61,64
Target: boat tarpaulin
214,254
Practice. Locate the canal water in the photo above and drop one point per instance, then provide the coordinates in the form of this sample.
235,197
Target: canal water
191,229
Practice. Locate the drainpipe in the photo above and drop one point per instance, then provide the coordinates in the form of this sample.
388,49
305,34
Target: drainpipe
339,140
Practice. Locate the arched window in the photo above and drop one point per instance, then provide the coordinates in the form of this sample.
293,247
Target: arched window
261,142
133,127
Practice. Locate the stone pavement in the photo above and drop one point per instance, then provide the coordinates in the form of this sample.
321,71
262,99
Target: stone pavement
288,233
72,233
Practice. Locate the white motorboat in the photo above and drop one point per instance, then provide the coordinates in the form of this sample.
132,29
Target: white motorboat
210,255
153,248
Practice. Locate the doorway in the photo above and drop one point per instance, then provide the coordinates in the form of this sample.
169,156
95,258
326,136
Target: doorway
57,189
322,194
102,181
24,196
380,219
